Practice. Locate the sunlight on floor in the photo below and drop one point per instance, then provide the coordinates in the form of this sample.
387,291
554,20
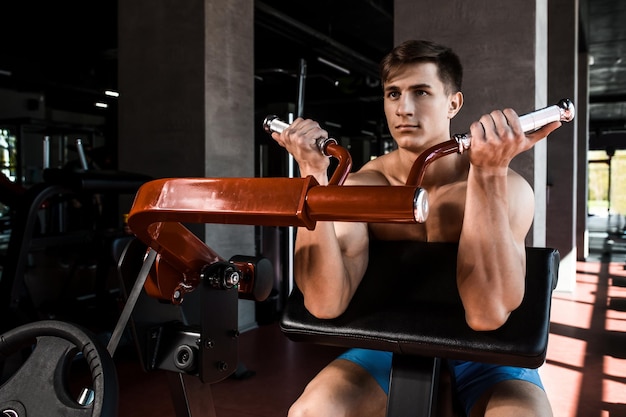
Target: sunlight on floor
585,370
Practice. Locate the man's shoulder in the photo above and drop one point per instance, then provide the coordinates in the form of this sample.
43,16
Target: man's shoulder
367,177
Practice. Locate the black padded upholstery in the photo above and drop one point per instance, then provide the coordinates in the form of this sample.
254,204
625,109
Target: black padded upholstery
408,303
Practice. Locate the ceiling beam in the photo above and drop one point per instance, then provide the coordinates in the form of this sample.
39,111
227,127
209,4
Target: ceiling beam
348,56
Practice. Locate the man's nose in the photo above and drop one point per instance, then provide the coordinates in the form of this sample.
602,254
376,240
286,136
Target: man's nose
405,105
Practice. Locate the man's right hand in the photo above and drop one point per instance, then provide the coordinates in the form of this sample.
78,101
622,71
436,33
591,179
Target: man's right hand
300,140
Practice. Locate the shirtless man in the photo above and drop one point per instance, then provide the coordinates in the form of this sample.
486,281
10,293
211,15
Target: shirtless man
488,211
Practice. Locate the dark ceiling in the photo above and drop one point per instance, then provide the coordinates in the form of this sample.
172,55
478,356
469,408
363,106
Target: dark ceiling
67,51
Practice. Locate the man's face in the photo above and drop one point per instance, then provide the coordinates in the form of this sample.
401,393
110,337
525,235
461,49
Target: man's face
417,107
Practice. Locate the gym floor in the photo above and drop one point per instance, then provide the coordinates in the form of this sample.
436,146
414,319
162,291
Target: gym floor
584,375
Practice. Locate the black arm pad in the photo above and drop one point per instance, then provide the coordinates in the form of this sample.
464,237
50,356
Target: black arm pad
408,303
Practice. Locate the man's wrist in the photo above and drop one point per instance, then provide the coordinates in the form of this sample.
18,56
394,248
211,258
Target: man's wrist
489,171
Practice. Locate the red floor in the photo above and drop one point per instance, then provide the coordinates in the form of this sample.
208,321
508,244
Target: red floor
281,369
585,371
584,375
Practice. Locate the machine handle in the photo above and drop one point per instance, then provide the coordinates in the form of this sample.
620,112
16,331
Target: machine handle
327,146
563,111
273,124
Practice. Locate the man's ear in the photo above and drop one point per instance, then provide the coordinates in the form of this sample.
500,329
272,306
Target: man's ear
455,104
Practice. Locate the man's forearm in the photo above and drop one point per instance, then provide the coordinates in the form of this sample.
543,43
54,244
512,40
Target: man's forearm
491,261
320,271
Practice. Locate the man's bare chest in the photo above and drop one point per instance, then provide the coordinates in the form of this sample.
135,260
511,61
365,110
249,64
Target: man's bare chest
444,223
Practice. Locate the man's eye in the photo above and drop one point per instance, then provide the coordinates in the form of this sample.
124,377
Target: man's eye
393,94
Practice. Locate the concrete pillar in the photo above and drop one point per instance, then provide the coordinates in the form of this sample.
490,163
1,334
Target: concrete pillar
582,233
186,107
503,47
563,143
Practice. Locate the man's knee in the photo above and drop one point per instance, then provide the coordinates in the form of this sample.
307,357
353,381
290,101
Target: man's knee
299,409
513,398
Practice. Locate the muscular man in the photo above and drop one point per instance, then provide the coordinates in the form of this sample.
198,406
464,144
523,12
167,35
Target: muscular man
475,199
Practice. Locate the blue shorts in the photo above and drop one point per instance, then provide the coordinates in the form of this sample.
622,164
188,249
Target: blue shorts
470,379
